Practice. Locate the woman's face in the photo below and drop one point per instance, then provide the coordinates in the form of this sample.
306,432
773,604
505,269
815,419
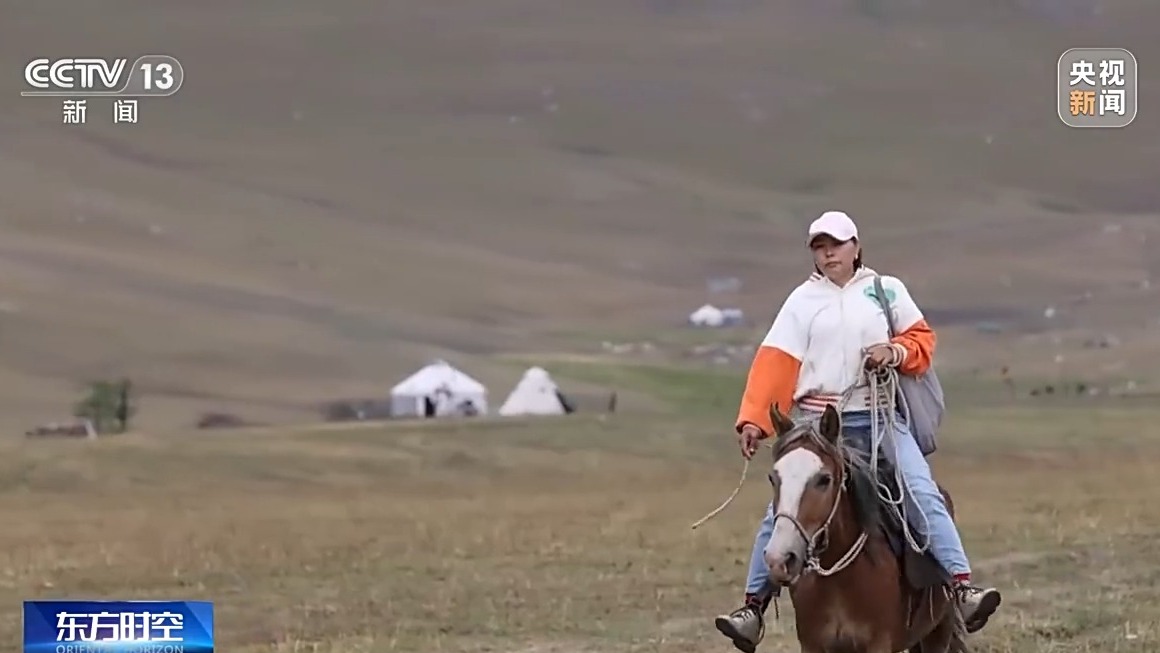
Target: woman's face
835,258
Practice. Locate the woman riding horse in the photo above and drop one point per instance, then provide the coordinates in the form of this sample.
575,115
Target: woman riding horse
826,329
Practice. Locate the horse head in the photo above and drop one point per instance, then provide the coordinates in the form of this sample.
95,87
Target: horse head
809,478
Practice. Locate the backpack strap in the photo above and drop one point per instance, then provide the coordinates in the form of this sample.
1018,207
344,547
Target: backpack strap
880,293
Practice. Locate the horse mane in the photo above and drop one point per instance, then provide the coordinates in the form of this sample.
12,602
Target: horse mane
862,481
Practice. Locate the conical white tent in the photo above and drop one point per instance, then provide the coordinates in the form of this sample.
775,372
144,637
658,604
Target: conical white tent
535,394
438,390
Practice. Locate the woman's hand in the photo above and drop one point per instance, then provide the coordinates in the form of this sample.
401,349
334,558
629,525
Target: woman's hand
880,356
749,439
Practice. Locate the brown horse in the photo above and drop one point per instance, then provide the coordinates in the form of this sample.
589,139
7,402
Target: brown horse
854,590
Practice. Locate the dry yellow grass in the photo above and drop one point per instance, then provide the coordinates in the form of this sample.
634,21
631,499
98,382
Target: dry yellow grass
558,535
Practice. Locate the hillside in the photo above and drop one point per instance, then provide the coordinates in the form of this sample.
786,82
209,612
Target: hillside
340,193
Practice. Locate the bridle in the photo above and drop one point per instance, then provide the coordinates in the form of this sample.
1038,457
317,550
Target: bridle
817,543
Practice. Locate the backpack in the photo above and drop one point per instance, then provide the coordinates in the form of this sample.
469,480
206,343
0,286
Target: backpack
921,397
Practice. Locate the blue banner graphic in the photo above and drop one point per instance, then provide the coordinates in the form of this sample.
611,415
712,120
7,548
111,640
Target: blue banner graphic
118,627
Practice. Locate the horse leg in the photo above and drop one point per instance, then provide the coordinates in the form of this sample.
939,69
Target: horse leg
948,636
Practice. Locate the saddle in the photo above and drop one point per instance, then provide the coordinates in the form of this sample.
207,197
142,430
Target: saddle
920,570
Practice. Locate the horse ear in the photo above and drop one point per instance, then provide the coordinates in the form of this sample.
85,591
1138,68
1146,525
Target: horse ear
830,425
781,423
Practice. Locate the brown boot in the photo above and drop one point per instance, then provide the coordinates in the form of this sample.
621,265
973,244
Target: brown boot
977,604
745,626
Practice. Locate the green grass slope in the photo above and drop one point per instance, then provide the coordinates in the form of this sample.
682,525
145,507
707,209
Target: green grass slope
339,193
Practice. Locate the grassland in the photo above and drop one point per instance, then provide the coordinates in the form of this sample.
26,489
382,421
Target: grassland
343,191
568,535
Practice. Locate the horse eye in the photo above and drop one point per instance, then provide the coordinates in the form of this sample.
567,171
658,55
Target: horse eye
773,480
824,480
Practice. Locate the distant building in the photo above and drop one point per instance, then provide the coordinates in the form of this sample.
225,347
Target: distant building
710,316
438,390
732,316
707,316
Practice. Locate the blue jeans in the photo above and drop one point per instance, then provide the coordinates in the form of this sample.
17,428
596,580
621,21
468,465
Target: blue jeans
924,499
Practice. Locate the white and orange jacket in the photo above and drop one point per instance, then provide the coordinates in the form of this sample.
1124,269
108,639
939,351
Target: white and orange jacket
815,348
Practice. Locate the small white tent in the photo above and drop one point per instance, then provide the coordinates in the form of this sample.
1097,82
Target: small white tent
438,390
535,394
707,316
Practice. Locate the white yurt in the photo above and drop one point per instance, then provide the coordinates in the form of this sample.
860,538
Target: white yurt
707,316
438,390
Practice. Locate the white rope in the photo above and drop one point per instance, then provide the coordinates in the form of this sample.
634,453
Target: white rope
882,384
843,562
716,511
883,387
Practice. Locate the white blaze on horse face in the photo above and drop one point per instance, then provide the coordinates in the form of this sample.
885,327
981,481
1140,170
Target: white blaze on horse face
794,470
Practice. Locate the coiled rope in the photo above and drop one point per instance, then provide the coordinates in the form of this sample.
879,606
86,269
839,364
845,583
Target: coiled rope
885,399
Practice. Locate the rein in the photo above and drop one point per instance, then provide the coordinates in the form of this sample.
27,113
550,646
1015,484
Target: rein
881,383
897,505
860,382
813,551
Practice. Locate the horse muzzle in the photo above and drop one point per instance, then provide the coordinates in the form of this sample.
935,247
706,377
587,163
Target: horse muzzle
788,550
785,568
